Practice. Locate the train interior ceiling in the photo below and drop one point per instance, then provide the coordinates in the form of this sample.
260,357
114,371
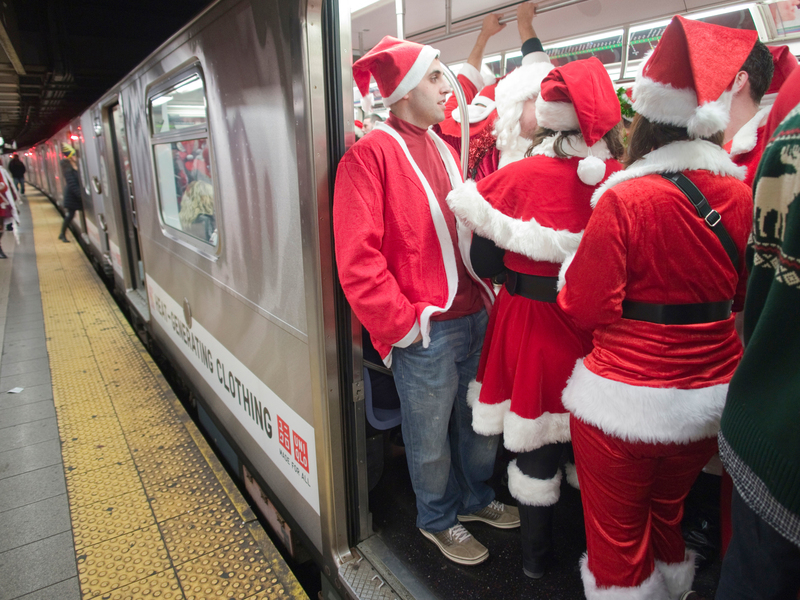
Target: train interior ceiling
157,142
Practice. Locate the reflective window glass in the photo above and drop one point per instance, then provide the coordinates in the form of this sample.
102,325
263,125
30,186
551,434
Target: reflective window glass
183,171
179,107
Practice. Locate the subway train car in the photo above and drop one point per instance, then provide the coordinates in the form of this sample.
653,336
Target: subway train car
207,177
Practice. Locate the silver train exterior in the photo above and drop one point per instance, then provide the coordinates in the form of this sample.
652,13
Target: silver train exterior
249,316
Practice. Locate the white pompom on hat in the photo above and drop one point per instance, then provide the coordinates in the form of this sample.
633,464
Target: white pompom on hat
398,66
580,96
686,80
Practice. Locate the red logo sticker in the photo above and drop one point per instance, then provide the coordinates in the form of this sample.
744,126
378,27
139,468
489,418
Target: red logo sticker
284,435
300,450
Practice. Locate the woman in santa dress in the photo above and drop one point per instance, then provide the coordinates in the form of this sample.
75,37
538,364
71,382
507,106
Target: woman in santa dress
655,279
534,211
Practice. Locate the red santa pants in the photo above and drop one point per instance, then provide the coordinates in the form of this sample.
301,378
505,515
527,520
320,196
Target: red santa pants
633,495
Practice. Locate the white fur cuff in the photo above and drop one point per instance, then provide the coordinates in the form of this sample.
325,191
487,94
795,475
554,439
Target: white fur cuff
652,588
678,577
523,435
572,475
531,491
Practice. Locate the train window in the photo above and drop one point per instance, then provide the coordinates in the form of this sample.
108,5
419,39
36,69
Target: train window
179,107
185,187
181,150
607,47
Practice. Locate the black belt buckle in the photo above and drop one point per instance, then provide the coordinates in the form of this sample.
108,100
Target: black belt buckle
511,282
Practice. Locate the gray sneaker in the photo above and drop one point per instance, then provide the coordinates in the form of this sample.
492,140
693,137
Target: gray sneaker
495,514
458,545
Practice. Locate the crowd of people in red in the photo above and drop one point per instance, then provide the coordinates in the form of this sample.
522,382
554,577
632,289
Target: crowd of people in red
580,295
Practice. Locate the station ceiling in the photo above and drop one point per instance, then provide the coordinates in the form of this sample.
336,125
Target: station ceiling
58,57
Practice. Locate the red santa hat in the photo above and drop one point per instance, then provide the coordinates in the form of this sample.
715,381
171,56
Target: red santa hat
785,62
685,81
580,96
397,66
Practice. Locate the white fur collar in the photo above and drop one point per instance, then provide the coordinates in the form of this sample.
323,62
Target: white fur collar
513,154
747,137
677,156
573,145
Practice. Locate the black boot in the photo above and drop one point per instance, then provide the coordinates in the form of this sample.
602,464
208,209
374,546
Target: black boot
536,524
2,254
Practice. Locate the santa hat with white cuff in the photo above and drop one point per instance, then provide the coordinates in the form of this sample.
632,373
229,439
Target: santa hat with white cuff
685,81
398,66
580,96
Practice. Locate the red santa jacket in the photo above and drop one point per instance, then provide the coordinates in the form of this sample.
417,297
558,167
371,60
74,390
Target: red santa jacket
396,260
747,145
645,242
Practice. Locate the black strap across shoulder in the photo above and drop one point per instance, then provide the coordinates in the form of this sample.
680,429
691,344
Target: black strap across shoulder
708,214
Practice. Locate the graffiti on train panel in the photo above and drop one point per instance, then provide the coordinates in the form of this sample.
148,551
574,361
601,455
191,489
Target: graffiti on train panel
286,438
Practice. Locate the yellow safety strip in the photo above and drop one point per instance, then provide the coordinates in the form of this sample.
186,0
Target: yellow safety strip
154,513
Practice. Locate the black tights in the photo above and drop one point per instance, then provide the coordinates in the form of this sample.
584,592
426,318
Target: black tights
67,219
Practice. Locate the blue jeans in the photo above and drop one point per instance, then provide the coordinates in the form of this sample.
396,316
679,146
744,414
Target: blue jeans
20,183
449,463
760,563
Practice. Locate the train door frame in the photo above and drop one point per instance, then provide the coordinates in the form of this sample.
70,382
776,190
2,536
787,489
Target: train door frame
124,202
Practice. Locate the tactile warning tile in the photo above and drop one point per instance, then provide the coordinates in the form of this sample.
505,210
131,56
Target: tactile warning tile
147,496
185,493
156,466
88,487
198,532
108,519
121,561
238,571
163,586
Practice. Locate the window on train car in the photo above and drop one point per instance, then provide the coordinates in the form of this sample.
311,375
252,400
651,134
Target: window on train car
607,47
186,189
183,160
644,37
179,107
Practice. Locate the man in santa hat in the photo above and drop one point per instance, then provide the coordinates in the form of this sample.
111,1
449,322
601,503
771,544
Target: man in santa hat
499,132
657,273
398,250
757,83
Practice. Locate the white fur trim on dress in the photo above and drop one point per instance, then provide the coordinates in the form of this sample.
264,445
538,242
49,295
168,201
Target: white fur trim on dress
528,238
652,588
530,490
487,419
558,116
523,435
638,413
663,103
747,137
674,157
511,93
678,577
572,475
415,74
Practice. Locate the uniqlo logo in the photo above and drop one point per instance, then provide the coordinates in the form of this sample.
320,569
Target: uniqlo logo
300,450
284,435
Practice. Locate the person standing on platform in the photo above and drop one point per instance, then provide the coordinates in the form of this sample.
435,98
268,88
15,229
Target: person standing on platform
9,217
72,188
655,278
402,271
760,428
536,209
17,168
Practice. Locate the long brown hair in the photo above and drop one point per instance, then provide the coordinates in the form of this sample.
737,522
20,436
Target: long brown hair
646,136
613,139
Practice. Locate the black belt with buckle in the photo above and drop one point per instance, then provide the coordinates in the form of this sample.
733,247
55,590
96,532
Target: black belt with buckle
532,287
677,314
